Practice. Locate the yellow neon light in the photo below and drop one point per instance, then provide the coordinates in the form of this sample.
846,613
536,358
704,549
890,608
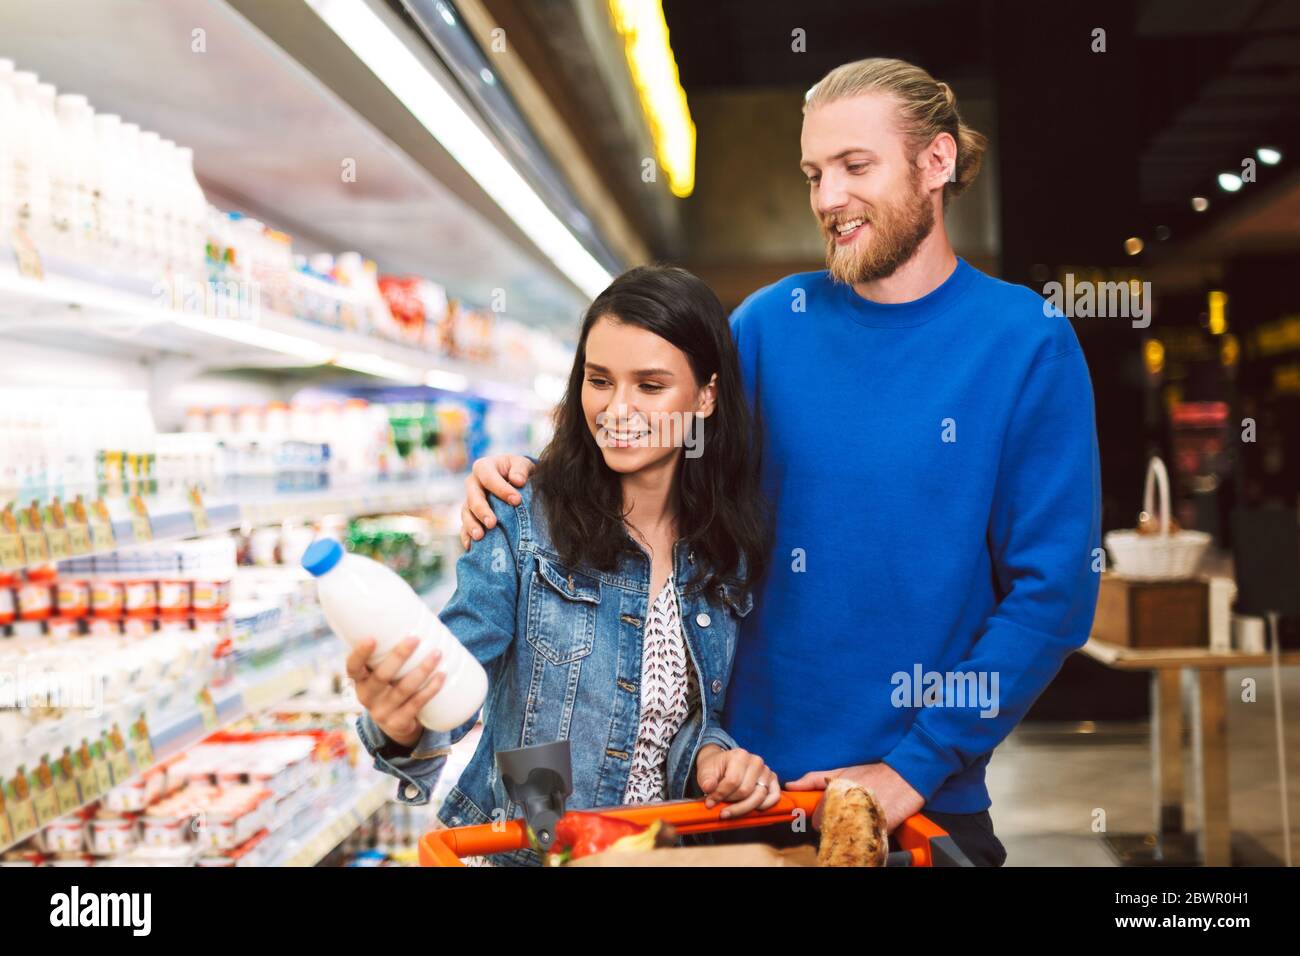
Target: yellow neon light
650,60
1218,312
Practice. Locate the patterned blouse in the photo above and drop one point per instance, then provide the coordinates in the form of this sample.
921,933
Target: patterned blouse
669,692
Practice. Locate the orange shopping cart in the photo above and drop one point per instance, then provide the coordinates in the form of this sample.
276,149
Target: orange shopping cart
921,842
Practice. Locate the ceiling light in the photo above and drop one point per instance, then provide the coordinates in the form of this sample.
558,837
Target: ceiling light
439,112
1229,182
1133,245
1268,156
650,60
1200,203
1217,302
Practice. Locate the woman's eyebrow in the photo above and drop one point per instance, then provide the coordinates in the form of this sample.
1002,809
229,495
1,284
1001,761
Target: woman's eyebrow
642,372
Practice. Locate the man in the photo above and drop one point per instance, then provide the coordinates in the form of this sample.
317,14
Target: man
914,612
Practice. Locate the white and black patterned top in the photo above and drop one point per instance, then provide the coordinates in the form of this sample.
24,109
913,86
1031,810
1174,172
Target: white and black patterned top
668,694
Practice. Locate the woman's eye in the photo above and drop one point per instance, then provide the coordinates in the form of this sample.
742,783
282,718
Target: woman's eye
813,180
651,387
597,382
857,167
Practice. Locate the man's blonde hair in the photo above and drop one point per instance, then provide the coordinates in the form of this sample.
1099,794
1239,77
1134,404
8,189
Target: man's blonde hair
926,108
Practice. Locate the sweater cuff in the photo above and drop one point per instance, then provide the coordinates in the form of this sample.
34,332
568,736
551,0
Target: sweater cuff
921,762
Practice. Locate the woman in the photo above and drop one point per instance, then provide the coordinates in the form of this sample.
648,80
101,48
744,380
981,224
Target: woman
605,604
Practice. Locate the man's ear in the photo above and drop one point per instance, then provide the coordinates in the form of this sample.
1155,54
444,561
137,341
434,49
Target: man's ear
938,162
708,397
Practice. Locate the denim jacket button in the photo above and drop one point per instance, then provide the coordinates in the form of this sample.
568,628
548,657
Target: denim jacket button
703,620
412,791
716,686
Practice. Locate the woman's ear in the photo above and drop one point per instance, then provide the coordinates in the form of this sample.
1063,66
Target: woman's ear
708,397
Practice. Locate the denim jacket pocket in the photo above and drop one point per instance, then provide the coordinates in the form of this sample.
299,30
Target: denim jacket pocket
562,608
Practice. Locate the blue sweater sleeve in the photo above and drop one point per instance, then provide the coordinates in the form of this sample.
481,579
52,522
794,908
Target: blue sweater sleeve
1044,527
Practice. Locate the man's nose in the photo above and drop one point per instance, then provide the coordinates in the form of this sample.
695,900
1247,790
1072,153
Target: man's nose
831,195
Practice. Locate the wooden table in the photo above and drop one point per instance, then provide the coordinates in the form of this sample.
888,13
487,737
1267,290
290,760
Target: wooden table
1213,843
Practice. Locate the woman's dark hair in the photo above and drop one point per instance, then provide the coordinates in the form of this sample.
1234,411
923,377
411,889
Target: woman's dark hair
719,509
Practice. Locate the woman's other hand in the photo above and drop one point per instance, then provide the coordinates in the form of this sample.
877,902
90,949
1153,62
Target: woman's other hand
737,777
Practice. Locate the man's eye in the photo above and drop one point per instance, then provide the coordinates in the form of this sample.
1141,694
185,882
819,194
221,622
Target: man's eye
857,167
813,180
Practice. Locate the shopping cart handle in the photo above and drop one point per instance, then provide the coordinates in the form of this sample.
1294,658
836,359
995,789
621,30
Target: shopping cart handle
918,837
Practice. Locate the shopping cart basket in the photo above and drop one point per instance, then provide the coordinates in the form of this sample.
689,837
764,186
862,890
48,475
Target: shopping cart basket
920,840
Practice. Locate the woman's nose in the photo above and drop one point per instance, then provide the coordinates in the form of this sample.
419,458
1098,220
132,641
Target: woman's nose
622,402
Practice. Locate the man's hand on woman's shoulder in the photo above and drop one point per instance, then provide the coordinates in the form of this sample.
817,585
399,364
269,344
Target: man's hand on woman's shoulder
497,475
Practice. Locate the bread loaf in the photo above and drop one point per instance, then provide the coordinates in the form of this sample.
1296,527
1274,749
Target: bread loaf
853,827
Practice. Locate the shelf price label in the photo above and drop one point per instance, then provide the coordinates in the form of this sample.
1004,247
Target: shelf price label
199,511
118,759
34,544
26,253
140,744
11,544
11,551
6,831
56,530
87,779
65,782
103,772
44,797
18,797
207,709
79,529
101,527
57,539
140,526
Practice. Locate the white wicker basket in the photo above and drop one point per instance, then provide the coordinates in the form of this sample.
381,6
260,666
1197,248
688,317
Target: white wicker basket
1157,557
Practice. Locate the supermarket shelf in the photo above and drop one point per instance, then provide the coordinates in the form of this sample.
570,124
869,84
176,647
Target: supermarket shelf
132,320
380,496
175,728
373,498
351,810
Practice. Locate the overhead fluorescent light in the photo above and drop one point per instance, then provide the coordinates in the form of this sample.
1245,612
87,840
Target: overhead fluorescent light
447,381
650,60
246,333
438,111
378,366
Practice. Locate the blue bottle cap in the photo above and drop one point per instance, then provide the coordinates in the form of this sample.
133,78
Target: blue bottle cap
321,555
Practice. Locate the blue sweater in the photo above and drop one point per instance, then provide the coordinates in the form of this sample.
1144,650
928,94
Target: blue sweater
934,472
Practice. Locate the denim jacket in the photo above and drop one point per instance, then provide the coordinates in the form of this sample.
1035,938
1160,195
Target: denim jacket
562,649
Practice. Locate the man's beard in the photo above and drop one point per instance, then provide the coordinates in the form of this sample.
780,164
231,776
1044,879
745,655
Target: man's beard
896,232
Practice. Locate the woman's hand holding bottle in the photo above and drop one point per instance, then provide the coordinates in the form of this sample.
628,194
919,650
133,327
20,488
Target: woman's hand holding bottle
394,705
